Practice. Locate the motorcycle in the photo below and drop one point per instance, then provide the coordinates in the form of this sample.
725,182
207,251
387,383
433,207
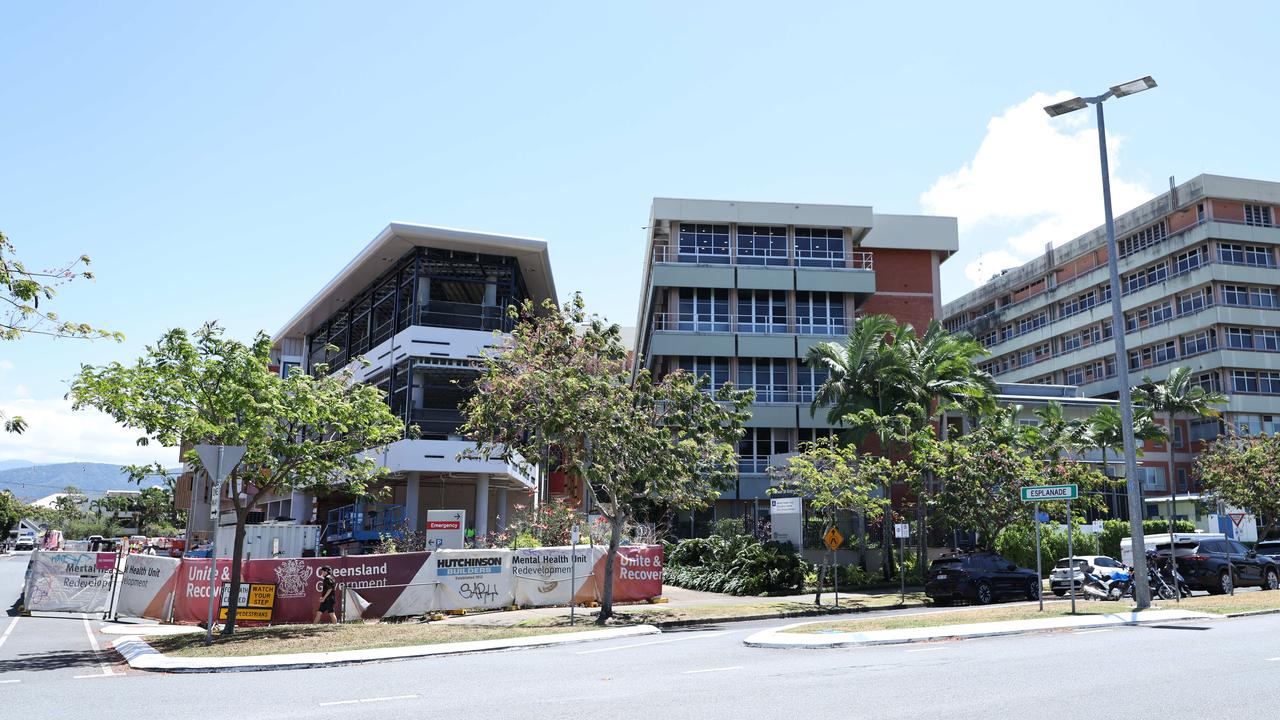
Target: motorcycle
1159,587
1115,586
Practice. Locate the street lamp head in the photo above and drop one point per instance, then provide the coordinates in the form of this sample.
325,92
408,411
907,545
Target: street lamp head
1133,86
1066,106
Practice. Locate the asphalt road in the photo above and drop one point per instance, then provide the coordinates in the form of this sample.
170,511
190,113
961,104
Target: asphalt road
48,669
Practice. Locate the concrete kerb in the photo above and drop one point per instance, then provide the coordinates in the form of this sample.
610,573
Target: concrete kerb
779,638
784,615
142,656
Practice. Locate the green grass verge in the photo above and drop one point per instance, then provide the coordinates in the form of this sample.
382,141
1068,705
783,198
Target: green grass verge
1213,604
283,639
762,608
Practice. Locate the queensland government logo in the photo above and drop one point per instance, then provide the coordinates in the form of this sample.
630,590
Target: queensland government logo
292,576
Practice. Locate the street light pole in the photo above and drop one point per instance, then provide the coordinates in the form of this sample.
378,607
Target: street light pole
1142,589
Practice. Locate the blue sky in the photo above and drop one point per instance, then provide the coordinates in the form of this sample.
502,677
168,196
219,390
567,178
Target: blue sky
222,161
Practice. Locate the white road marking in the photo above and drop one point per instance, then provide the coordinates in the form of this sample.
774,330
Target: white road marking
720,669
9,629
698,636
1089,632
368,700
6,682
93,641
84,677
928,649
1273,659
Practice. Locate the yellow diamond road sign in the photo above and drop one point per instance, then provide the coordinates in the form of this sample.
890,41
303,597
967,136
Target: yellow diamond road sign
833,538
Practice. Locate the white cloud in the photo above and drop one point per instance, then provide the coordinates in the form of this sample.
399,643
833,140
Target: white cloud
1033,181
56,433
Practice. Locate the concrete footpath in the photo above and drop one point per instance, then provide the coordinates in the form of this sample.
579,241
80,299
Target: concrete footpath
141,656
781,638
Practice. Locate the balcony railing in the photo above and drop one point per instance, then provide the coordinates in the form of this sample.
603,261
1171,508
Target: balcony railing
838,259
466,316
683,322
436,421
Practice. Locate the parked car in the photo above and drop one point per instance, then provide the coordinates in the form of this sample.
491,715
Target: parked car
980,577
1061,579
1269,547
26,541
1204,566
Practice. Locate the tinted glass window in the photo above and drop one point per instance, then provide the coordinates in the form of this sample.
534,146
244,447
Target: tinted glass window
1104,562
978,562
1212,546
947,564
1269,548
1237,547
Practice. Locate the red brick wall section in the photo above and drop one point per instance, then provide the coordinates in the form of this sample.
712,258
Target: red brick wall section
1184,218
1227,210
903,270
917,310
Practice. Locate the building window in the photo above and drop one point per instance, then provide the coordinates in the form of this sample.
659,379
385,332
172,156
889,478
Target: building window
1271,424
701,243
704,310
1200,213
1238,337
1080,303
813,435
820,313
1257,215
1071,342
767,376
1152,477
810,379
1074,376
1266,340
1229,253
1193,302
762,311
1235,295
1262,297
1143,239
1026,357
715,368
1204,429
757,445
762,245
1207,381
1248,424
1182,479
1269,382
1243,381
1164,353
1201,342
1188,261
820,247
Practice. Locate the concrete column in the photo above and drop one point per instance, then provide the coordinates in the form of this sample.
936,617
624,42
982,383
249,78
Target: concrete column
482,505
502,509
412,485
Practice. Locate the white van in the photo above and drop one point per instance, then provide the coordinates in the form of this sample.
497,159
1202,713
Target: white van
1161,542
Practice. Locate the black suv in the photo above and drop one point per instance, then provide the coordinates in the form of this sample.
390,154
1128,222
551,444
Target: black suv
1205,566
979,577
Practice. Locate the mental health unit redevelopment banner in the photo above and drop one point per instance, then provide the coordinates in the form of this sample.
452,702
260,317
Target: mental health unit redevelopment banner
147,586
69,582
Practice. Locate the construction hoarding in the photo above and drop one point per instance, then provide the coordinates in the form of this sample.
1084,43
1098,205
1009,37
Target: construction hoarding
69,581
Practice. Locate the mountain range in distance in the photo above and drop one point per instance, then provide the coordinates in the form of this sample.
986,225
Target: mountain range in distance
29,481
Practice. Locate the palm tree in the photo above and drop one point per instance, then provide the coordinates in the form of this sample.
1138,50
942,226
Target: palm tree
942,374
864,373
1103,431
1174,397
884,366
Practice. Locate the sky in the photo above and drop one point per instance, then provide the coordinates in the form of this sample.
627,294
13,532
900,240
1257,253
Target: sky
222,161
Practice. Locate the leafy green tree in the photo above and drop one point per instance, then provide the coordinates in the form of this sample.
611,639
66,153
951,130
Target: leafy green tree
11,511
1244,471
1101,431
22,290
837,478
562,379
155,507
302,432
1177,397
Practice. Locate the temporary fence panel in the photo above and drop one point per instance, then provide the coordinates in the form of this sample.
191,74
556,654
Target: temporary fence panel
147,586
69,582
472,579
191,590
379,579
546,576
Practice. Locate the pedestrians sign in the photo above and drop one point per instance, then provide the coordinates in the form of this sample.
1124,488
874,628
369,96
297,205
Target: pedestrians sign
833,538
1236,518
1038,493
901,530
